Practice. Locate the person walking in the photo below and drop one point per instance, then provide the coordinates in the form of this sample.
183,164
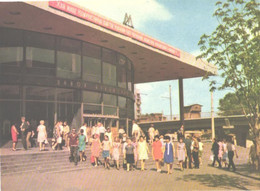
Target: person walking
129,154
14,134
66,131
201,147
195,152
73,142
116,147
136,132
82,145
169,154
181,152
188,159
106,146
42,135
157,152
151,131
56,136
95,148
102,130
231,150
24,127
215,150
143,151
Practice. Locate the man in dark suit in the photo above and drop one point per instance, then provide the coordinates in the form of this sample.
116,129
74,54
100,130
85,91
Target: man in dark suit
24,128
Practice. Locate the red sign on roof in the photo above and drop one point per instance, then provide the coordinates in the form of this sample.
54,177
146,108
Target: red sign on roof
103,22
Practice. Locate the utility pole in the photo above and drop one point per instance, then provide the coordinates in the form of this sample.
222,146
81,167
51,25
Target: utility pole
212,117
170,98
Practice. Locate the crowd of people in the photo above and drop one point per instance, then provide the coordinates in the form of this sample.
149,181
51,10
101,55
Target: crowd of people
188,152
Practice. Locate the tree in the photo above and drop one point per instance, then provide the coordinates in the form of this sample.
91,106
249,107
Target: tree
229,105
234,48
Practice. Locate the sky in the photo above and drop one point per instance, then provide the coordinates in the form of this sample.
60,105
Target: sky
179,23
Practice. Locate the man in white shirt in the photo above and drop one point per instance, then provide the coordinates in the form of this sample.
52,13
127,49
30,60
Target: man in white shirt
102,131
135,130
151,133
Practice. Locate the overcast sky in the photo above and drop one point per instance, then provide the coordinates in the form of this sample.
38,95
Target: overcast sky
179,23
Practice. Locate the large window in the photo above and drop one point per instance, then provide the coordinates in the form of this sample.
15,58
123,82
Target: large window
110,104
109,67
91,63
40,93
92,102
109,74
129,75
68,58
11,51
40,54
121,71
122,107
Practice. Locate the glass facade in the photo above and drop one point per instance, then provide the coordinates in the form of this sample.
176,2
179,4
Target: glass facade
28,55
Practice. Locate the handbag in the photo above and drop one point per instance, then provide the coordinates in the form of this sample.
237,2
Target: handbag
46,142
59,140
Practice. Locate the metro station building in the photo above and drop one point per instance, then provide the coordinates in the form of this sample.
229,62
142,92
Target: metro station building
59,61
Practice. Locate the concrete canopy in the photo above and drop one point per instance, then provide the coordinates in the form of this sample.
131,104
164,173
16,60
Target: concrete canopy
150,64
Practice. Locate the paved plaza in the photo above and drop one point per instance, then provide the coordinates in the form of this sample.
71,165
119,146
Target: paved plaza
205,178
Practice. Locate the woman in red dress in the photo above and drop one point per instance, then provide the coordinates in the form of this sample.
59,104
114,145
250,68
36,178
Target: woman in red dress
14,133
157,152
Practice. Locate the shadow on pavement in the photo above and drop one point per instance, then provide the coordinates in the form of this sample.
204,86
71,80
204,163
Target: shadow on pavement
217,180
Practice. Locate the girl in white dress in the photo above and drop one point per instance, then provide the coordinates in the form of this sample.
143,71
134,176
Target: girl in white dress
42,135
116,151
143,151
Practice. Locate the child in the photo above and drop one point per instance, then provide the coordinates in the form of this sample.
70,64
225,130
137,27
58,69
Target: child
143,151
135,151
168,154
95,148
106,150
116,151
181,152
82,145
129,154
157,152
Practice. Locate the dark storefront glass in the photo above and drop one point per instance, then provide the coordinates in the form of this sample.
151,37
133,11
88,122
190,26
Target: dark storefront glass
92,102
68,58
109,74
130,108
40,54
109,67
110,104
129,75
11,51
121,71
122,107
39,93
91,63
10,108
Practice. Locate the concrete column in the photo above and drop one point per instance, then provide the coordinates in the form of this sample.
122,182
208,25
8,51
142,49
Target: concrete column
181,102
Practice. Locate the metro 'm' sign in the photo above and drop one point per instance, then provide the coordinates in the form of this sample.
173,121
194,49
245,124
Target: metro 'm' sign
119,28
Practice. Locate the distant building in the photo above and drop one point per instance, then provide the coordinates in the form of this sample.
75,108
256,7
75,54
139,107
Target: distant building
152,117
192,111
137,104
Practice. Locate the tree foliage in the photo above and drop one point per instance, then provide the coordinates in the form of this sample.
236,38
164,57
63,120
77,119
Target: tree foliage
229,105
234,47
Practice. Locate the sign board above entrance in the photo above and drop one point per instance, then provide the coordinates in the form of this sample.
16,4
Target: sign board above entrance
113,26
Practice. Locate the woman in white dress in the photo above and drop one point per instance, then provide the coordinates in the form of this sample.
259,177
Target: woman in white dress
42,135
143,151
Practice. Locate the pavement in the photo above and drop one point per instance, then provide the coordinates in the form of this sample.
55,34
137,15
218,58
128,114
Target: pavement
205,178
